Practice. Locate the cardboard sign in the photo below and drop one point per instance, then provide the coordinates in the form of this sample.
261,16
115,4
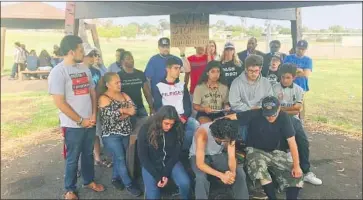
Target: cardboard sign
189,30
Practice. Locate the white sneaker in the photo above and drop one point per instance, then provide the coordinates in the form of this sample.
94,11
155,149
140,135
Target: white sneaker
311,178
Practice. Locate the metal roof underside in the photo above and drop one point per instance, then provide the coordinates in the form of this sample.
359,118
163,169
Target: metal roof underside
278,10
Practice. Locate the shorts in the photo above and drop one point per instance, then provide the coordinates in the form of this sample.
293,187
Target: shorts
211,116
260,163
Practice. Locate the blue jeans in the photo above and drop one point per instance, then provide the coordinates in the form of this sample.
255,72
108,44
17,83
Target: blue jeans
178,174
79,140
14,70
190,128
118,145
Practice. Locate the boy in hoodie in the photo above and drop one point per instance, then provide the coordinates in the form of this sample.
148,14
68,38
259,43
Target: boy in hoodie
272,73
170,91
249,88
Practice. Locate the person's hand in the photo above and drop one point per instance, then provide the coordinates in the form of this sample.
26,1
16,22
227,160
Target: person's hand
182,50
162,183
208,110
296,172
87,123
93,118
231,116
182,120
255,107
226,178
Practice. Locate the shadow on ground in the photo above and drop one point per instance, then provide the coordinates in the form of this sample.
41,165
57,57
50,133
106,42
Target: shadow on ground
336,159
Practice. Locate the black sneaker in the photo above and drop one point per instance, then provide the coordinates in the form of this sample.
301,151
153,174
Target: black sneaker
133,190
118,184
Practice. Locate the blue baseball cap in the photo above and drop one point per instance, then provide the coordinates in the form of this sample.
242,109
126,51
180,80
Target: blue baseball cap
302,44
270,105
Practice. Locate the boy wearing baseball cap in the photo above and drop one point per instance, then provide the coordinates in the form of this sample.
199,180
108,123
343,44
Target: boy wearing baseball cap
266,128
290,96
304,68
272,72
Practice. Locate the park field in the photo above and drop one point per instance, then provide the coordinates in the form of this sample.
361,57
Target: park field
334,102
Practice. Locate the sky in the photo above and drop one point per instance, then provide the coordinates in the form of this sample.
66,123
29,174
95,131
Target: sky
320,17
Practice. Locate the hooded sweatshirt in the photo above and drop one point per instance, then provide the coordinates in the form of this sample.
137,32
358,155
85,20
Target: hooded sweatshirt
174,94
246,95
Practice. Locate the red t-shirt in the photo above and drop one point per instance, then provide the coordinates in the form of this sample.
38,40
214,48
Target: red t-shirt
197,65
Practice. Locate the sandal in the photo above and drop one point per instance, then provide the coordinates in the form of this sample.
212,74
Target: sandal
95,187
70,195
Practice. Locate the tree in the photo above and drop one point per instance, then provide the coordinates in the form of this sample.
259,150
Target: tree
285,31
130,31
221,24
110,32
254,31
336,29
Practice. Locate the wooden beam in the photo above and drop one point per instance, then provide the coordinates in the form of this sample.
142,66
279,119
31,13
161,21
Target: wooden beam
95,38
71,23
3,31
296,28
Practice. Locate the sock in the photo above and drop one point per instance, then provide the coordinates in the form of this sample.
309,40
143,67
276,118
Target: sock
292,192
269,190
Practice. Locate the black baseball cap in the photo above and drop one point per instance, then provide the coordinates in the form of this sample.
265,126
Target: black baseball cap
270,105
276,55
302,44
164,42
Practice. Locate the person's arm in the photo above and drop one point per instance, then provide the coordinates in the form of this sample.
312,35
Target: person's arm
187,105
235,98
201,140
174,158
147,93
232,163
296,170
187,78
158,99
244,118
184,61
143,153
297,107
307,71
130,110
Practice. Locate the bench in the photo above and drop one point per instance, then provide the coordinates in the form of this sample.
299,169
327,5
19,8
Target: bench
38,72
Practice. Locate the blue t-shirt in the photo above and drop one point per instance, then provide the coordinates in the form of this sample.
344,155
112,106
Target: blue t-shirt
156,70
96,75
302,63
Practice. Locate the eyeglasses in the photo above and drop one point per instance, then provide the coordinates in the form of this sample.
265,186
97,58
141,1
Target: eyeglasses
257,71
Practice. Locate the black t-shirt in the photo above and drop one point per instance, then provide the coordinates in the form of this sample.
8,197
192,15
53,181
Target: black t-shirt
231,71
263,134
131,84
273,77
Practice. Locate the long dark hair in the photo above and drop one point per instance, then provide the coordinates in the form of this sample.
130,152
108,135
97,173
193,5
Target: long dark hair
44,55
213,64
101,86
155,124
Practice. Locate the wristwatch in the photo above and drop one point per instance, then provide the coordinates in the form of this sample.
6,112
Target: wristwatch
79,123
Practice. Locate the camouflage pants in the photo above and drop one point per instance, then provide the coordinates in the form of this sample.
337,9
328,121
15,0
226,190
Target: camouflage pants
260,163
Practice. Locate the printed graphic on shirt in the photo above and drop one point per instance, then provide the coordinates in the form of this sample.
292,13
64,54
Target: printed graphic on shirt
80,83
230,71
172,95
129,82
272,78
215,99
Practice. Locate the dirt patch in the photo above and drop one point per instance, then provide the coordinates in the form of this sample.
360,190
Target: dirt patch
314,127
18,147
12,86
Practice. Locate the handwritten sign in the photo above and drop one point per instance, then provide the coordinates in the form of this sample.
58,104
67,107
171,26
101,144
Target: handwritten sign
189,30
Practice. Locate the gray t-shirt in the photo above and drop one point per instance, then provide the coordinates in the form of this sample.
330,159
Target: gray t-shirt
211,148
288,96
75,83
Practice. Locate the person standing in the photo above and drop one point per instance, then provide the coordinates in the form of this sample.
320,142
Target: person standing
133,81
158,148
251,49
116,108
304,68
116,66
230,63
275,46
19,60
212,46
155,70
73,91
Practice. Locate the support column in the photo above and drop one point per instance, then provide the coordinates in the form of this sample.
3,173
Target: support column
3,31
71,23
296,28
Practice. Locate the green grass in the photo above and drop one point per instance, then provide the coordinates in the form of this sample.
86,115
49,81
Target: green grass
335,98
35,113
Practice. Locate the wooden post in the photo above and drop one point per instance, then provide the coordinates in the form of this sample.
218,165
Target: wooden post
3,31
296,28
95,38
71,23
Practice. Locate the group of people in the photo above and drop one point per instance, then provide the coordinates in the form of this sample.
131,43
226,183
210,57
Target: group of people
247,98
24,60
